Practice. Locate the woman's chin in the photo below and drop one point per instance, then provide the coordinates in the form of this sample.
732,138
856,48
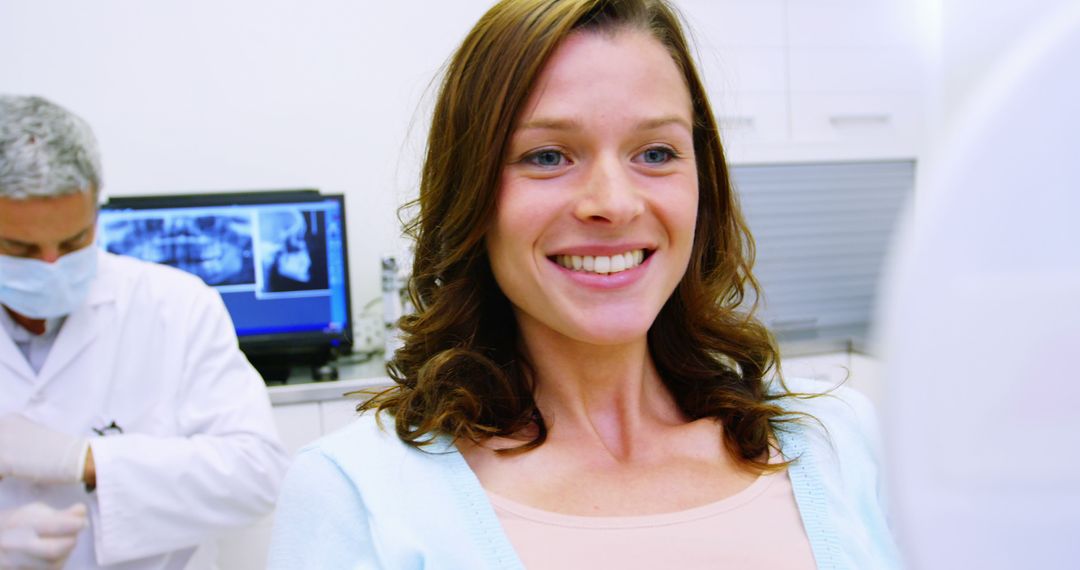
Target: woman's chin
598,326
611,333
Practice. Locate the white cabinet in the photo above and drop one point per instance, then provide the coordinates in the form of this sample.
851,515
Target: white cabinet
868,376
852,23
854,370
748,91
337,414
741,23
298,424
798,80
885,122
832,368
851,69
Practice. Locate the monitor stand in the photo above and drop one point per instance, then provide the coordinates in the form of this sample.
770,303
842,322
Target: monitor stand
278,368
324,373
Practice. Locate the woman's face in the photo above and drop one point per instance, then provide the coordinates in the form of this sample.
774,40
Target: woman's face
599,192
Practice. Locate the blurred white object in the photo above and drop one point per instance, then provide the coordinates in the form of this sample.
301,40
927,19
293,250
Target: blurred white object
39,536
981,331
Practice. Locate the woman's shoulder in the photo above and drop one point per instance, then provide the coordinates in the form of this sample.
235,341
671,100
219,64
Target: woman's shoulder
370,438
368,452
361,497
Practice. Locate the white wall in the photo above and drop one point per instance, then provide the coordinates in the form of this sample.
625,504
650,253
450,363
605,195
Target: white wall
243,94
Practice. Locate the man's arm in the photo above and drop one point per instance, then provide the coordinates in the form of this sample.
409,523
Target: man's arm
220,469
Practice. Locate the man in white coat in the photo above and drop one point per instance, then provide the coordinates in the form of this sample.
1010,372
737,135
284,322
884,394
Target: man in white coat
132,428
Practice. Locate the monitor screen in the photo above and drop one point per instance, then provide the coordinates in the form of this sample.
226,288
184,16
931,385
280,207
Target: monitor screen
277,258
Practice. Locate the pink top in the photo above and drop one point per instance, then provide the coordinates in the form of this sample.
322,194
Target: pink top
758,527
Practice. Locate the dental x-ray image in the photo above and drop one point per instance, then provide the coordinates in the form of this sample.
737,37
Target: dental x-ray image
292,247
217,248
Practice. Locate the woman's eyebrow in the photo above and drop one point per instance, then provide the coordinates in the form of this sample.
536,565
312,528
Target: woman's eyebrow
575,125
551,125
659,122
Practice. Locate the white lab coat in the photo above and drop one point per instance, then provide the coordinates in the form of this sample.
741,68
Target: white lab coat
152,349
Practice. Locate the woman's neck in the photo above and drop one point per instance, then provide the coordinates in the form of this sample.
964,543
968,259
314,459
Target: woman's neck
610,395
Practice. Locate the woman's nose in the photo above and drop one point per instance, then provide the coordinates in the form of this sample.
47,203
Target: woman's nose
609,194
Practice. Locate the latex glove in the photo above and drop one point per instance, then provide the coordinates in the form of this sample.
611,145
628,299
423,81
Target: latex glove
35,452
39,536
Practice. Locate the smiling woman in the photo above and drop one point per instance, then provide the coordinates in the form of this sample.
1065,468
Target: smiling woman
580,376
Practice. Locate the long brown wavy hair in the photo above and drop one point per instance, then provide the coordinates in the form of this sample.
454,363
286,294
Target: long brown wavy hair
460,371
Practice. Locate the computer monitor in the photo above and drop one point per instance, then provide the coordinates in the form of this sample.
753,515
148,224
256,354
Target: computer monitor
278,259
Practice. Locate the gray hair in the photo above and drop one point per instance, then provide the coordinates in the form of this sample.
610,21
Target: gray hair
45,150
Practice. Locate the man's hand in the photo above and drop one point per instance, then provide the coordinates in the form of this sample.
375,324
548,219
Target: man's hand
32,451
39,536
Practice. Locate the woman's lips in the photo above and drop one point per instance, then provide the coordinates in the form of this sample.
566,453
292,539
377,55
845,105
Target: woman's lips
604,271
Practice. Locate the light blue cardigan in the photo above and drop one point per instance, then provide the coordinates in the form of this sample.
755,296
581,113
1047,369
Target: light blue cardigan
360,498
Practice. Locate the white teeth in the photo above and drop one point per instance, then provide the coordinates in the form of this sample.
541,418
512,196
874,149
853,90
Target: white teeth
602,264
618,263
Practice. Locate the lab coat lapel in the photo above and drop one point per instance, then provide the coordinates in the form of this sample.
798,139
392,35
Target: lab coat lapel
85,324
14,360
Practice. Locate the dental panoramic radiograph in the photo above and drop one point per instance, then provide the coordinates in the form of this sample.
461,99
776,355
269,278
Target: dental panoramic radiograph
217,248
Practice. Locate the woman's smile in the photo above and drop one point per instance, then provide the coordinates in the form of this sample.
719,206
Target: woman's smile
602,264
604,272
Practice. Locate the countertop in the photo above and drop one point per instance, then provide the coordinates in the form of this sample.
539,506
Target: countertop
357,375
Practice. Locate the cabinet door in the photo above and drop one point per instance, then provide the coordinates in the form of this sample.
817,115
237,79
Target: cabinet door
855,371
856,76
246,548
868,376
747,86
848,70
337,414
854,23
298,424
886,124
748,119
728,23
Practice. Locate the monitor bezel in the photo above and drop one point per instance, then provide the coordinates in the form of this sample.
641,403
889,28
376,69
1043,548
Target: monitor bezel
305,345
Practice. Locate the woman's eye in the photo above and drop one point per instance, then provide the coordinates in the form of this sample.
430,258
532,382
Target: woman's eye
657,155
546,158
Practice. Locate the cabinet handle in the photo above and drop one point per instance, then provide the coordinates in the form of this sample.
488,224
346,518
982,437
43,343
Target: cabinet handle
855,120
737,122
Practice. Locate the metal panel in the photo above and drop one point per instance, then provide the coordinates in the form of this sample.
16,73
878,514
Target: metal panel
822,231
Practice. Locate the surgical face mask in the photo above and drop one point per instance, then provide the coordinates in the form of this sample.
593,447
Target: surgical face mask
41,290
